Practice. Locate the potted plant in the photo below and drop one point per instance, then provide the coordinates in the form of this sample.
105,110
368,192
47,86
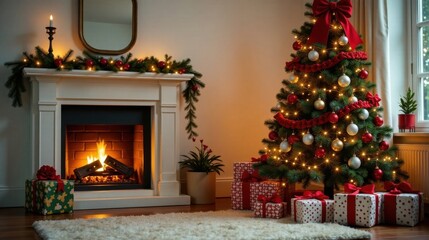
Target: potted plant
407,105
202,167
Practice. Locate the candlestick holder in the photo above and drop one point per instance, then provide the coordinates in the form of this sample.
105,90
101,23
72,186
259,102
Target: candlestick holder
50,31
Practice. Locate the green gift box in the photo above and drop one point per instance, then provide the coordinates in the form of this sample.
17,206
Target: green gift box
44,197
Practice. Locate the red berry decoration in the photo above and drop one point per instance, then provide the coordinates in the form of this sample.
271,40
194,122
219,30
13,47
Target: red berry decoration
89,63
103,61
273,135
293,138
292,98
296,45
333,118
363,74
118,63
320,152
181,71
383,145
377,174
58,62
195,87
367,137
161,64
378,121
126,67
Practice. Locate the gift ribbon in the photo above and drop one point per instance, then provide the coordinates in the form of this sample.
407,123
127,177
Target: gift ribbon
324,10
390,199
352,191
48,173
310,195
250,177
275,198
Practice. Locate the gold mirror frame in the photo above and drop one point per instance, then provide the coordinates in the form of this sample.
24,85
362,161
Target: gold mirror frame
109,51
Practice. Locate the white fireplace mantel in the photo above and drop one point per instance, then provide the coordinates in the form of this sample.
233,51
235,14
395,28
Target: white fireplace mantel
52,88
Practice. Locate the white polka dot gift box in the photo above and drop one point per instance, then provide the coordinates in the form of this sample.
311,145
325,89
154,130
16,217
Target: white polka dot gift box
402,204
312,208
358,206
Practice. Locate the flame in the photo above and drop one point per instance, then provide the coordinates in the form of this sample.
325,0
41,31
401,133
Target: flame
101,149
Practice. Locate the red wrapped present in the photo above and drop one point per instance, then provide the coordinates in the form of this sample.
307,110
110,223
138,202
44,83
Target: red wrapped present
358,206
241,168
312,207
244,194
270,207
402,204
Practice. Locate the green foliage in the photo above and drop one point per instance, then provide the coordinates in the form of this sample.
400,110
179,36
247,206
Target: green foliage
407,103
202,160
42,59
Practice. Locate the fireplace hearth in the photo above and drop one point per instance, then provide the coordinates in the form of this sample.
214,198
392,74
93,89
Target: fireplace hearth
85,96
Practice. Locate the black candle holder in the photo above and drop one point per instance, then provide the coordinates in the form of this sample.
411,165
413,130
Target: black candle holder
50,31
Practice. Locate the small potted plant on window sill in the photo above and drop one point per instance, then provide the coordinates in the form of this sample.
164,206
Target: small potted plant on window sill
407,105
202,168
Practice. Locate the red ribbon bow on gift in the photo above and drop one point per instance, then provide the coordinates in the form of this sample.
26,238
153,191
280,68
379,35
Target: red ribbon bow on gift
353,189
49,173
310,195
253,177
275,198
402,187
324,10
373,99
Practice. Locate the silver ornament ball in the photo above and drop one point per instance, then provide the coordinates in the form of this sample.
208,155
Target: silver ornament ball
363,114
352,99
308,139
285,146
352,129
343,40
337,145
344,80
354,162
313,55
319,104
293,78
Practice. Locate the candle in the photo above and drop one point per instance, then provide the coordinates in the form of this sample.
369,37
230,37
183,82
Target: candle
51,20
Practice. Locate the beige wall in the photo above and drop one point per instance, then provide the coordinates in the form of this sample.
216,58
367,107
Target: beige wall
240,46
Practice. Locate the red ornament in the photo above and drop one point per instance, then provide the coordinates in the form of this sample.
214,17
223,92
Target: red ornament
333,118
273,135
292,138
367,137
58,62
383,145
118,63
126,67
320,152
378,121
161,64
103,61
181,71
195,87
377,174
89,63
292,98
363,74
296,45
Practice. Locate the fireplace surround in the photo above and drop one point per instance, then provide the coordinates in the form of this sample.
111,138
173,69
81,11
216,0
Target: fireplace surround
54,90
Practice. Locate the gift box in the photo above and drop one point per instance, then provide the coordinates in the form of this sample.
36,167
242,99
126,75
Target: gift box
312,208
358,206
402,205
270,207
44,197
240,168
245,194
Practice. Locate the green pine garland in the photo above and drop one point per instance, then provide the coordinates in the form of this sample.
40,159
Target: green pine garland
42,59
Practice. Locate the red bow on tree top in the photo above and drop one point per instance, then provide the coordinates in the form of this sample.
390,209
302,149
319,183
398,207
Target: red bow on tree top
324,10
310,195
353,189
402,187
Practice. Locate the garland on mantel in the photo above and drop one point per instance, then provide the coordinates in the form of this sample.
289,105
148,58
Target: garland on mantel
43,59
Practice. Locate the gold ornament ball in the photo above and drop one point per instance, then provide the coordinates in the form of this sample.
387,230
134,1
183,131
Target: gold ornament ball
293,78
353,99
319,104
337,145
344,80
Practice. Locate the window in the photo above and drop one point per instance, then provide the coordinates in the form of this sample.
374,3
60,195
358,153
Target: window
420,44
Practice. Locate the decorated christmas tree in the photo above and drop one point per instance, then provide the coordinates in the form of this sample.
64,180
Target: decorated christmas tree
328,125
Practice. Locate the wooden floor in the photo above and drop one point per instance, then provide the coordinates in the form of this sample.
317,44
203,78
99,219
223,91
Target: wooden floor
15,223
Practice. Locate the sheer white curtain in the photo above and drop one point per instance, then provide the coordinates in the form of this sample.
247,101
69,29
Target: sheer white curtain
370,20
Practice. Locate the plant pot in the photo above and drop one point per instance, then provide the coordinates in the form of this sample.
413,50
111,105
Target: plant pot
406,121
201,187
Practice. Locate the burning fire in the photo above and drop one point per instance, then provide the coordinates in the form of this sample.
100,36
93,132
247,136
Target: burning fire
101,149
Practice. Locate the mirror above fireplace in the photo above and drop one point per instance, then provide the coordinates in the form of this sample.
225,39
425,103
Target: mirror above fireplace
108,27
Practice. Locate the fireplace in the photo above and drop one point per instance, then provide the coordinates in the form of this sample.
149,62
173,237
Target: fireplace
106,147
74,111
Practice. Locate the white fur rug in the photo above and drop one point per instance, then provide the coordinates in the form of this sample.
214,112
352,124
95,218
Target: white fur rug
229,224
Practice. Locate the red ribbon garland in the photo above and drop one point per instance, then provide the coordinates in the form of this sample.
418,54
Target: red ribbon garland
310,195
275,198
352,191
49,173
324,10
390,199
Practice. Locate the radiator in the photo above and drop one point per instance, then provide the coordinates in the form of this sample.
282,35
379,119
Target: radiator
416,163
